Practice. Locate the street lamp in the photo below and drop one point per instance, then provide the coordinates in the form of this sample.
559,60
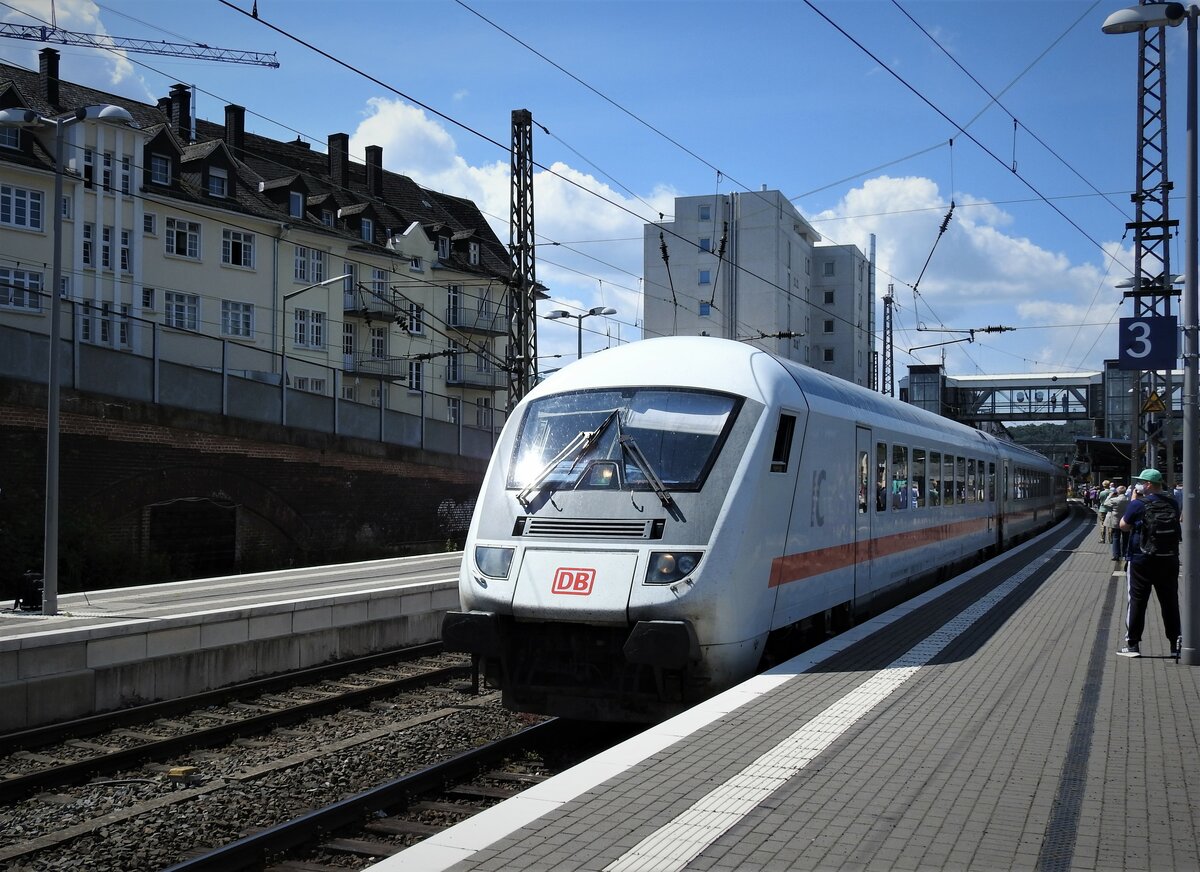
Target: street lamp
283,341
595,310
29,118
1133,20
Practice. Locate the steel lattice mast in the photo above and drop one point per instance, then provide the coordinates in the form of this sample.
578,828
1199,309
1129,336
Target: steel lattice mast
888,385
522,289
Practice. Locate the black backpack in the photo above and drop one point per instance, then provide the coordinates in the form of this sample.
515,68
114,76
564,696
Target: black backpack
1160,528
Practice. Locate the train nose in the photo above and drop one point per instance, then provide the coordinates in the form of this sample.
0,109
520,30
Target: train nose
589,586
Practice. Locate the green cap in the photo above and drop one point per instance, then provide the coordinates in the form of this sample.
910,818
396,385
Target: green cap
1151,475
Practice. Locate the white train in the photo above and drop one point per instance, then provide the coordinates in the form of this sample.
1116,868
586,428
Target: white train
657,516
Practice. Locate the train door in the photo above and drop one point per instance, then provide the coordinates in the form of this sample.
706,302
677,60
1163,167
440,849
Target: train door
1002,493
864,471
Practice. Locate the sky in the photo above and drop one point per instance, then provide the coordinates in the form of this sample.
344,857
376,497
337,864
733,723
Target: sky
871,116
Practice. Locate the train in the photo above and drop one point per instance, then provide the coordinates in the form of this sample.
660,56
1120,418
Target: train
659,519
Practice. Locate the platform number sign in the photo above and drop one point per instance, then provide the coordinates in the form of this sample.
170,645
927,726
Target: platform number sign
1148,343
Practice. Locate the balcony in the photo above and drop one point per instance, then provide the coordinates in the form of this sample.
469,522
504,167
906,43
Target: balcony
469,377
487,319
371,304
393,368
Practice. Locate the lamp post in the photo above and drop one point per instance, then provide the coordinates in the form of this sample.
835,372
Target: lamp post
283,341
595,310
29,118
1133,20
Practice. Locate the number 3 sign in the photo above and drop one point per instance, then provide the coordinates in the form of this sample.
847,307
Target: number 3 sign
1148,343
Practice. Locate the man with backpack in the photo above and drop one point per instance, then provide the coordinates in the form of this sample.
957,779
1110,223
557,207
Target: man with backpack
1153,519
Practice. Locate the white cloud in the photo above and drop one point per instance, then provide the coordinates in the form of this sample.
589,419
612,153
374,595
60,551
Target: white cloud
82,16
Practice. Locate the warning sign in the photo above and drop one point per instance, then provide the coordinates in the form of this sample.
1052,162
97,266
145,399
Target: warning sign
1153,403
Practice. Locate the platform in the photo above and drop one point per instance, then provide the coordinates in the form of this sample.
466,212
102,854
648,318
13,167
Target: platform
987,724
114,648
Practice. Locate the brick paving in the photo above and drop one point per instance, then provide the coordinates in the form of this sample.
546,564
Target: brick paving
1026,743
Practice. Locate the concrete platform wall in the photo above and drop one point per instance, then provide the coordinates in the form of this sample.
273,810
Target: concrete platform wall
54,675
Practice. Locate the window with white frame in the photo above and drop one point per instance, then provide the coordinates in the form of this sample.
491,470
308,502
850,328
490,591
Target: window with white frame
20,289
123,326
295,204
218,182
378,343
10,137
68,207
237,319
443,247
308,328
106,175
126,167
148,299
105,323
378,281
64,287
376,396
309,264
416,373
367,230
483,413
454,363
349,392
106,238
20,207
414,263
124,251
88,167
89,252
237,248
183,238
160,169
416,318
348,338
327,217
181,310
150,223
473,253
350,282
453,409
85,322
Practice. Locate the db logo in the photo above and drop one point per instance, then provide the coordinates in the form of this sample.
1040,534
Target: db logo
576,582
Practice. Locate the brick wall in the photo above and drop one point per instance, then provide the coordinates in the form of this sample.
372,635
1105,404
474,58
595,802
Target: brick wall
151,493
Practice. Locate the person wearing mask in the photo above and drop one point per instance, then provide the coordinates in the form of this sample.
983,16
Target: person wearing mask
1152,519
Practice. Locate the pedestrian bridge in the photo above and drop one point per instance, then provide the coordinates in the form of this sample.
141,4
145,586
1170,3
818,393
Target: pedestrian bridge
973,399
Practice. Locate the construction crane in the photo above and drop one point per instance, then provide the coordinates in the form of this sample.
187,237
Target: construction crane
199,51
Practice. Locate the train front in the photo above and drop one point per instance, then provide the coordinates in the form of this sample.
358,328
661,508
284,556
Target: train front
590,583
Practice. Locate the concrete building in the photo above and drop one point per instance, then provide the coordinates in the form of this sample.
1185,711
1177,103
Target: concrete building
748,266
205,245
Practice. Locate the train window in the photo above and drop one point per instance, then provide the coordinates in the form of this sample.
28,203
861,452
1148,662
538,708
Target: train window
935,478
960,479
991,485
881,477
783,443
970,489
948,480
901,493
920,487
864,481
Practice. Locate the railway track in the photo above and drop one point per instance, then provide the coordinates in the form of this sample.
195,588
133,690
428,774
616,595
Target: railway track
64,757
379,822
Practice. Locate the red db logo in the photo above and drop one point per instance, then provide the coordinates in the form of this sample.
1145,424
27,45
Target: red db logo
576,582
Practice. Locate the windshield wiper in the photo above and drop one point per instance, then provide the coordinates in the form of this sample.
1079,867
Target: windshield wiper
631,448
583,442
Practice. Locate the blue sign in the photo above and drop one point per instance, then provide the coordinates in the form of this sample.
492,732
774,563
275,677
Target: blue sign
1148,343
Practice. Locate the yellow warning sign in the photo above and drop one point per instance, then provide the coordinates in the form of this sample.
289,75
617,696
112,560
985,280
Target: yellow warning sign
1153,403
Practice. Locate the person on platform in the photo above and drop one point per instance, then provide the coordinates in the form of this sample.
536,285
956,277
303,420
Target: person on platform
1152,519
1117,501
1102,510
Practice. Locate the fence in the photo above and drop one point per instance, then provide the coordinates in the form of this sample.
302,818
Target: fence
142,360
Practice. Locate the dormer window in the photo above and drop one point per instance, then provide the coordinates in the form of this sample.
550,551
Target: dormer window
443,248
218,182
295,204
160,169
473,253
414,263
327,217
368,230
10,137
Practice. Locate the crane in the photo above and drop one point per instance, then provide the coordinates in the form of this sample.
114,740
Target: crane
50,33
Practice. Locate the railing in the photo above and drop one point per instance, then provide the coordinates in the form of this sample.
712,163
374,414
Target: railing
142,360
486,318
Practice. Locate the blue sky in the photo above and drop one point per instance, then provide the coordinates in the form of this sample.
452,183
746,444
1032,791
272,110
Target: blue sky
770,92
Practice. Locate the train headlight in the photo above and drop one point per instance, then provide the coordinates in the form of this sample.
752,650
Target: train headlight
493,561
670,566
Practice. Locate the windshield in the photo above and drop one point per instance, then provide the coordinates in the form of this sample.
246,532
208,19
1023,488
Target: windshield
678,433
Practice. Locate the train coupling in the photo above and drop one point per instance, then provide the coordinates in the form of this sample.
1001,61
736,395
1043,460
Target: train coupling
473,632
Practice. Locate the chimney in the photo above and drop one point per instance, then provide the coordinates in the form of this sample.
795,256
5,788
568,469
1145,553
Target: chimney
164,106
48,73
235,129
339,159
375,170
181,111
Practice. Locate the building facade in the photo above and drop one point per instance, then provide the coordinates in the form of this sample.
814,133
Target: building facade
211,247
749,266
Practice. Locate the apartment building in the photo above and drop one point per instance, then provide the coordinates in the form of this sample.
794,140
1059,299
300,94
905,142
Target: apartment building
209,246
749,266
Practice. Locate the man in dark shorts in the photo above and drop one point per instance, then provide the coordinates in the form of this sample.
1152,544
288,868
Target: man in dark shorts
1154,529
